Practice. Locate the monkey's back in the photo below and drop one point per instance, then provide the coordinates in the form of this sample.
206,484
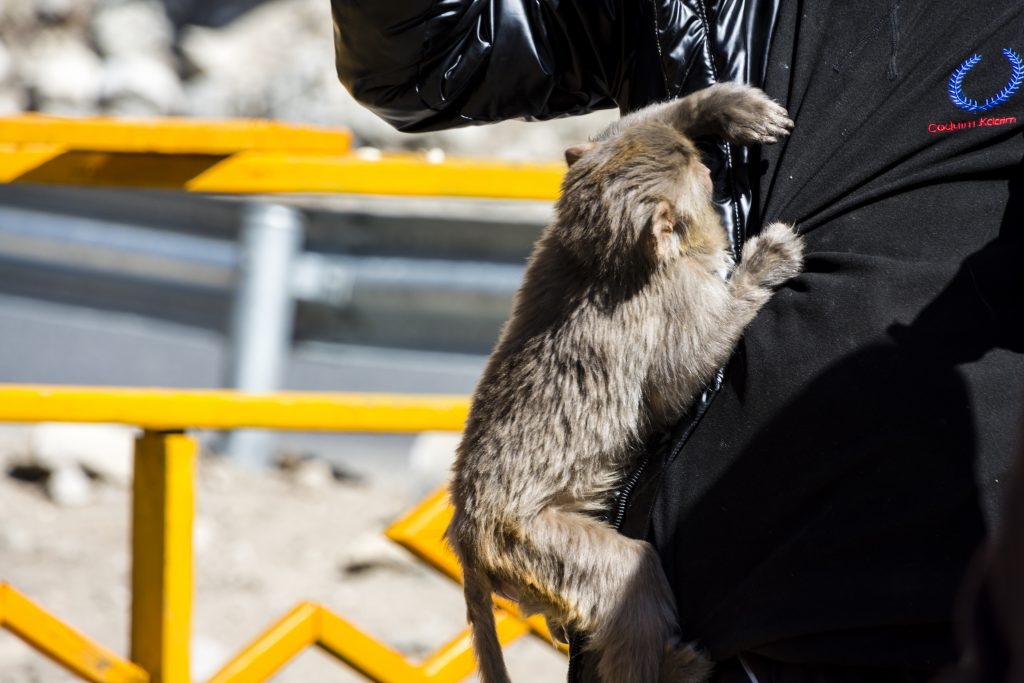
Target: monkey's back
558,406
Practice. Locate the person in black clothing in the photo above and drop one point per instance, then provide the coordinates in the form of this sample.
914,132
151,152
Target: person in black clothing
817,510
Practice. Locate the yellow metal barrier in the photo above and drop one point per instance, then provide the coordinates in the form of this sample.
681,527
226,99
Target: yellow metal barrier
63,644
237,157
162,508
169,410
245,157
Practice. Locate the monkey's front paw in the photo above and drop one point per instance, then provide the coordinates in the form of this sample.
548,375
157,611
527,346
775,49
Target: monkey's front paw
775,255
747,116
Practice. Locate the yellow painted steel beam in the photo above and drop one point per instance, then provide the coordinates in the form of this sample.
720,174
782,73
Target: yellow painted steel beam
245,156
63,644
162,510
172,409
274,648
168,135
311,624
369,657
392,174
276,171
19,161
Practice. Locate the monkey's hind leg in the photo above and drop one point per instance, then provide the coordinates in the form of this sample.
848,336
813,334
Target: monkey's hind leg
611,588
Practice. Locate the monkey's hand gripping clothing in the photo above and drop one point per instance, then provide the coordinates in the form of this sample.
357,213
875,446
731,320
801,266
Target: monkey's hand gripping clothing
821,505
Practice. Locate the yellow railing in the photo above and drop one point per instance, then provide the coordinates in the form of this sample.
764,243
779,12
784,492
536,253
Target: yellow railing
246,157
237,157
162,505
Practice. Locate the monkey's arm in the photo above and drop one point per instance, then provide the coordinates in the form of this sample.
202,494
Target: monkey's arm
738,113
770,258
428,65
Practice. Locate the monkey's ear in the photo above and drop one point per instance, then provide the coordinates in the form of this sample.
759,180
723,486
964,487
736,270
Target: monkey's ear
663,229
573,154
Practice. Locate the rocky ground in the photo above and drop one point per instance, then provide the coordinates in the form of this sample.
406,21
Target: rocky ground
264,541
276,60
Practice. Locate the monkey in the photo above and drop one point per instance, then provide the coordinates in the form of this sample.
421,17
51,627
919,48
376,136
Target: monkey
626,311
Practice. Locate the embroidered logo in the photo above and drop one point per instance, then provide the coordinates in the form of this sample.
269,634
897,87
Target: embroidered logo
956,84
961,100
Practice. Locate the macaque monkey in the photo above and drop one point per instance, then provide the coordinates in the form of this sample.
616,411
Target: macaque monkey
626,311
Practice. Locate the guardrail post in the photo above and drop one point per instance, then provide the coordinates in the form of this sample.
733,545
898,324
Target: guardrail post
162,506
263,316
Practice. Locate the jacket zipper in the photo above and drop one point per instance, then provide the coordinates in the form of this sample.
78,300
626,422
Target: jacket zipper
623,493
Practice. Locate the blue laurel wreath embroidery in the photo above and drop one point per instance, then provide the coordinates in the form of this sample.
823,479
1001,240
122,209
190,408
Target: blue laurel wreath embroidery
956,84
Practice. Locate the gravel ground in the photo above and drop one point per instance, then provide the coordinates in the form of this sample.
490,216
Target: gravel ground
264,541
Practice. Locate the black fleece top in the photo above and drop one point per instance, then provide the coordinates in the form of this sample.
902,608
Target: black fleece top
826,505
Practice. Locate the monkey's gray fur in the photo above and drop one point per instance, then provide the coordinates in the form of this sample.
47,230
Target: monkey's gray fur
624,315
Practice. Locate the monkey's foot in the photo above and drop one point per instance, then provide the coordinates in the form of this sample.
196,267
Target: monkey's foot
746,115
774,255
684,664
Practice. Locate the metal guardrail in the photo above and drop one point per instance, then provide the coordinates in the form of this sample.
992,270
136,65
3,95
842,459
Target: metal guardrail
236,157
246,157
161,552
254,157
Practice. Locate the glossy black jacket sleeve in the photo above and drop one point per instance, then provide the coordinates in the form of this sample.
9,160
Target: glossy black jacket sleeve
432,64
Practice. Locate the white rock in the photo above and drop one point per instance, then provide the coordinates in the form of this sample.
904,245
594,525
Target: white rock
312,474
69,486
140,86
63,73
369,154
431,457
208,656
372,552
126,28
55,11
104,450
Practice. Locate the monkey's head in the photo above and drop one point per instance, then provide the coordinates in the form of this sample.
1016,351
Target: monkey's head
641,196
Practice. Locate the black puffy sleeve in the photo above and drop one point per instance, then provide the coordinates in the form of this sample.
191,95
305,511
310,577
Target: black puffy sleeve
431,64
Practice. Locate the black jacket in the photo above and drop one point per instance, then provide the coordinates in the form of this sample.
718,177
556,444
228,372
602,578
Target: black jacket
821,506
429,64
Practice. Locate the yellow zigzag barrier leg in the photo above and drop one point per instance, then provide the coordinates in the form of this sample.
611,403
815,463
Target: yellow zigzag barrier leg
63,644
296,631
310,624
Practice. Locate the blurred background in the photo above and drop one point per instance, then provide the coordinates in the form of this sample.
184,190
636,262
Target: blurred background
143,288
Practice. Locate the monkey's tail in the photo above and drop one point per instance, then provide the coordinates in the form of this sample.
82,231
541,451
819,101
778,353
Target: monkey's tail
480,612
